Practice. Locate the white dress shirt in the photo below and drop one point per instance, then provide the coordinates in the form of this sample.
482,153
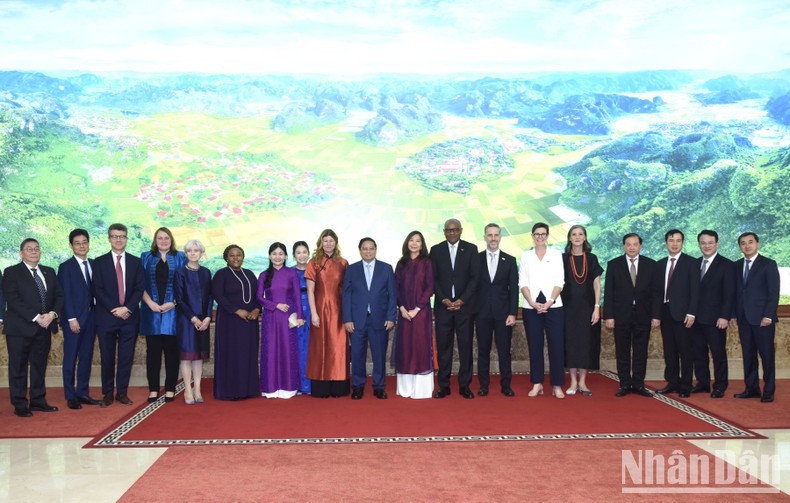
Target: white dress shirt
541,275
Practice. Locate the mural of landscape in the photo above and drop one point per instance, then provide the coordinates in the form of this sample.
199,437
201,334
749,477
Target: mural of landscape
661,137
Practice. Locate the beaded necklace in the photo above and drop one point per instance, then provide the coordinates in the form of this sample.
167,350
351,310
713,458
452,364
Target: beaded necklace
249,286
576,275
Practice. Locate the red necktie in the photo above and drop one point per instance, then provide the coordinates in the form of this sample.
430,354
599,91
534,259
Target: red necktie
119,277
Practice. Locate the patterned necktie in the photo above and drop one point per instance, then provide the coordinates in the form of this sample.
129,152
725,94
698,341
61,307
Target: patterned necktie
42,290
746,270
87,273
669,277
704,269
119,278
632,271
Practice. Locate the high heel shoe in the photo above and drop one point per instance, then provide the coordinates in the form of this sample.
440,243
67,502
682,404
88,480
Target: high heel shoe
189,401
152,399
536,390
169,399
556,391
585,392
198,399
572,390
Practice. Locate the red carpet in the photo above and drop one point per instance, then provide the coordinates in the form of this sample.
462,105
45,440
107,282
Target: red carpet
88,421
305,419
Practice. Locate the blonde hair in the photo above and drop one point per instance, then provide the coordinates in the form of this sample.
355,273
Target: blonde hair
318,253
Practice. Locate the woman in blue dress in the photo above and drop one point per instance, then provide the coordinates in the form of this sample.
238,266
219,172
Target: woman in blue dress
194,303
158,312
301,253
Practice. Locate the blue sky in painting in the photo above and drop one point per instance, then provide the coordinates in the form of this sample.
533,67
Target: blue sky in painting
367,37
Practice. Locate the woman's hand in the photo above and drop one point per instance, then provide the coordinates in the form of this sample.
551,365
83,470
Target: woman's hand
283,307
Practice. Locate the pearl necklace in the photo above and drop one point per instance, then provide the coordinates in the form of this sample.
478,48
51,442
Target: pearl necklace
249,297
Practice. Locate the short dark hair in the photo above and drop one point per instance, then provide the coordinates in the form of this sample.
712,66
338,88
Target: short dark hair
117,227
26,241
632,235
155,249
78,232
229,248
708,232
368,239
539,225
670,232
745,234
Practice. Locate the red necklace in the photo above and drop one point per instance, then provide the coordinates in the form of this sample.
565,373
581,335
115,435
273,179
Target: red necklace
576,275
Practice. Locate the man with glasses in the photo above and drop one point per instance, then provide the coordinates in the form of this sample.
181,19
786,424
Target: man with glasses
34,298
118,286
455,270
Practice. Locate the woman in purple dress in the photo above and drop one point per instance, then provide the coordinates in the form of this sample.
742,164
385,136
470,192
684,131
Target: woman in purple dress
278,293
301,253
193,301
236,335
414,335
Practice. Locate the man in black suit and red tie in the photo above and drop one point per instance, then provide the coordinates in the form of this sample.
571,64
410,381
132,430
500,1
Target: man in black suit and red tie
716,295
628,308
755,313
455,271
119,283
78,321
33,298
497,306
676,295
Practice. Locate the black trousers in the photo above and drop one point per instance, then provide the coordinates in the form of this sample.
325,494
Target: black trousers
706,337
758,340
487,329
28,353
449,326
630,346
155,345
678,358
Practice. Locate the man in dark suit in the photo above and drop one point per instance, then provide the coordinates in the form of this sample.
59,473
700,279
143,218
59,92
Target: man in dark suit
33,298
2,301
78,320
497,306
628,308
455,271
676,295
369,311
118,283
714,307
755,312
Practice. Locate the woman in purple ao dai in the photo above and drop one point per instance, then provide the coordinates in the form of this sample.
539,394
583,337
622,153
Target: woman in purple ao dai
278,293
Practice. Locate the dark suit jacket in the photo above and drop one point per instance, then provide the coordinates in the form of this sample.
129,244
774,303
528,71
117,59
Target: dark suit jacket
498,298
759,297
23,301
716,290
683,289
463,276
381,297
77,296
106,290
2,299
622,301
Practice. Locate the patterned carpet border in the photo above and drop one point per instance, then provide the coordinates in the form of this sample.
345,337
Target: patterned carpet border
114,437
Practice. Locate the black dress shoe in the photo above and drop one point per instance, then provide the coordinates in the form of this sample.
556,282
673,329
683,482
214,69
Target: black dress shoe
701,388
508,392
125,400
717,393
684,394
467,393
767,398
43,407
87,400
483,392
23,413
622,391
747,394
642,391
666,390
73,403
380,394
356,394
443,392
106,400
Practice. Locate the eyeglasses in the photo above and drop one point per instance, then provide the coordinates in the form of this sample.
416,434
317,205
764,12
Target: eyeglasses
540,234
118,236
35,250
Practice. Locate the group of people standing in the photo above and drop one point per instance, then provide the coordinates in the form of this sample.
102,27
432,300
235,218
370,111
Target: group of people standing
289,330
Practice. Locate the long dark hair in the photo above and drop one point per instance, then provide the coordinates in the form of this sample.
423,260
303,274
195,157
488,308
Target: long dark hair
406,254
271,270
297,245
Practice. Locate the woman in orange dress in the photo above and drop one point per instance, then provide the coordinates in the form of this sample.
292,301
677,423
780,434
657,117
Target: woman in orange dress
327,354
